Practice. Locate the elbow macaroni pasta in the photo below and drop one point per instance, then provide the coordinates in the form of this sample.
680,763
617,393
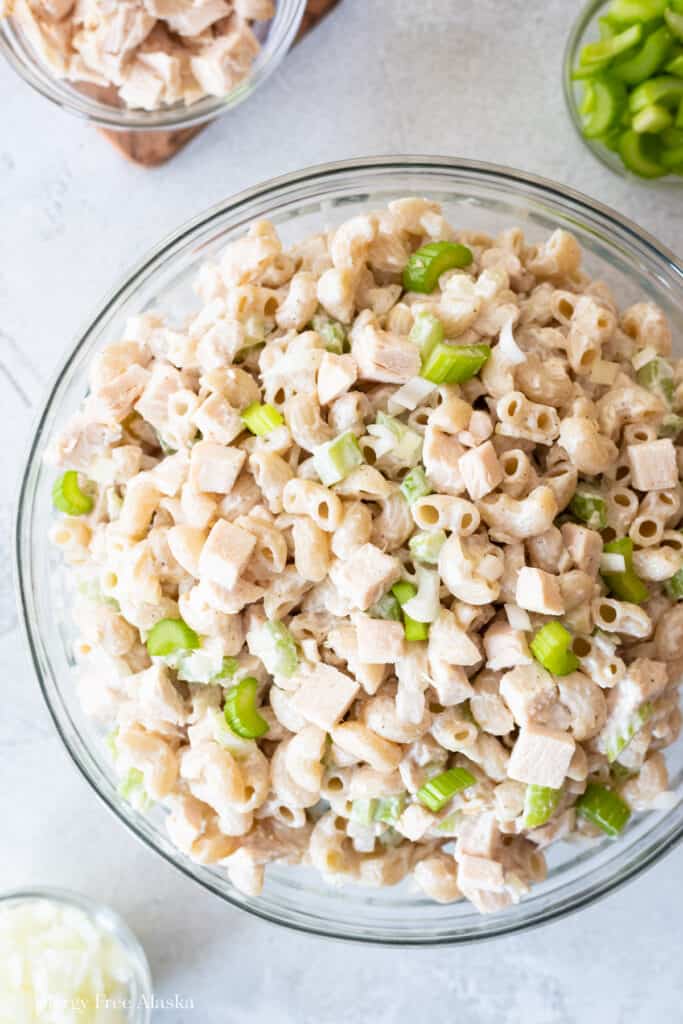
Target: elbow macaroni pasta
385,627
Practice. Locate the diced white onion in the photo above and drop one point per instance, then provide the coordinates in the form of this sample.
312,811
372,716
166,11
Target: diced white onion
517,617
411,394
56,965
642,357
612,562
507,346
604,372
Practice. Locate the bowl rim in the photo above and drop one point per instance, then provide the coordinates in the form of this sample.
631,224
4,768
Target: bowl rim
174,118
277,187
608,159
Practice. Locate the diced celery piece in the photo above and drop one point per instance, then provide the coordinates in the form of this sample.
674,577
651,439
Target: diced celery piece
415,485
437,791
336,459
426,265
275,646
552,648
454,364
540,803
647,60
626,586
609,102
386,608
652,119
665,89
68,497
169,636
332,332
261,419
427,331
657,376
590,508
425,546
240,710
604,808
674,586
599,54
620,740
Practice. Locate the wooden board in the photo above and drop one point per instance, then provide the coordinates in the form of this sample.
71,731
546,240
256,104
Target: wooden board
150,149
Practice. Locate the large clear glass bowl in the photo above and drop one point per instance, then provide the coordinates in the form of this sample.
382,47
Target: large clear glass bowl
138,993
586,30
276,37
475,196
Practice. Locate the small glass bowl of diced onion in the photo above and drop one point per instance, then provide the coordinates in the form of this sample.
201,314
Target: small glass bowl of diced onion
623,84
65,958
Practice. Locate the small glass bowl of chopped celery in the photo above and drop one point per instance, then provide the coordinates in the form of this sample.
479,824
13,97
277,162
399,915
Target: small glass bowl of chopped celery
65,957
623,84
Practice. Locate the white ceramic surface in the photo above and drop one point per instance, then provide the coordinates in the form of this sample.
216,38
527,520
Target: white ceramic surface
480,81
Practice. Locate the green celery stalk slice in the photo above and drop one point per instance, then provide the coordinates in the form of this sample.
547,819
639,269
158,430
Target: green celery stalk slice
634,153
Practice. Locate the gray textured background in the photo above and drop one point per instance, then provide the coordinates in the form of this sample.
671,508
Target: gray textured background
478,80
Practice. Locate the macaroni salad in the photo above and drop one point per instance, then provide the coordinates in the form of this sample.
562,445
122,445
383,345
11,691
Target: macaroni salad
377,558
155,52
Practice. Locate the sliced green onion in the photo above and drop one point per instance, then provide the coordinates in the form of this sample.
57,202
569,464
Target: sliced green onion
230,666
454,364
657,376
426,265
438,790
169,636
261,419
597,55
240,711
332,332
674,586
390,808
552,648
413,630
647,61
427,331
604,808
609,101
68,497
621,740
336,459
426,546
540,803
275,647
386,608
415,485
625,585
590,508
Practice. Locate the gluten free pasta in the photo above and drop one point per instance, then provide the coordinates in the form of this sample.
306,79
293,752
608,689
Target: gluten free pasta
377,557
